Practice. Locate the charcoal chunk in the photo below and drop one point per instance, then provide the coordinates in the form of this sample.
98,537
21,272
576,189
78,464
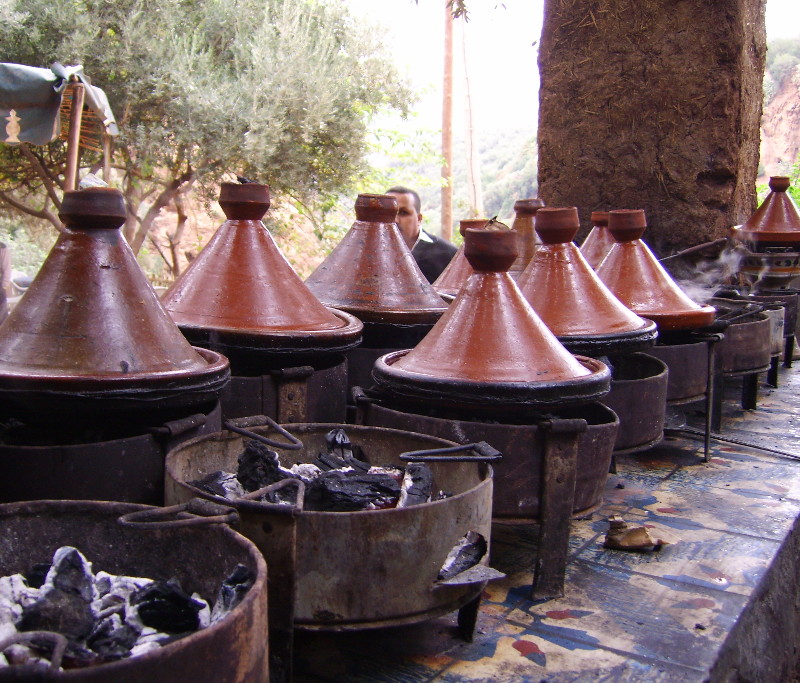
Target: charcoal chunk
164,606
112,638
468,552
338,491
232,591
59,611
258,467
219,483
71,573
417,485
36,575
341,448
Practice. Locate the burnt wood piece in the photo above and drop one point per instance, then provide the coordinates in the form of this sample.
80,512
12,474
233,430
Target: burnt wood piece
417,485
165,606
258,466
338,491
559,464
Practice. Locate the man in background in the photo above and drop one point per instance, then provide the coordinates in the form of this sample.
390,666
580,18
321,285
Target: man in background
431,253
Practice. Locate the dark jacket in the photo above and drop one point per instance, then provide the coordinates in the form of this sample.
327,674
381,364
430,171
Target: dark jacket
432,254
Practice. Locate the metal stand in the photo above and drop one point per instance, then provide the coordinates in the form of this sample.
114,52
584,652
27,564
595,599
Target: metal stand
559,465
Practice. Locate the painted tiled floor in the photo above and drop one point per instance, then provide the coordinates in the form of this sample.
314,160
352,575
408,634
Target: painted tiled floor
658,616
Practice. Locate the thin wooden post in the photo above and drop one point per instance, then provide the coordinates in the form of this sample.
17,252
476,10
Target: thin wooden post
447,125
73,136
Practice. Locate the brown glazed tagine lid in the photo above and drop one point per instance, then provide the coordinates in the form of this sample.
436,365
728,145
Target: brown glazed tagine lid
457,272
527,241
371,272
90,330
599,240
776,222
242,293
639,281
490,348
569,297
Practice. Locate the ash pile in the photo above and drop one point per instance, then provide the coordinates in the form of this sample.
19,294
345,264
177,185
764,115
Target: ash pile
63,615
339,480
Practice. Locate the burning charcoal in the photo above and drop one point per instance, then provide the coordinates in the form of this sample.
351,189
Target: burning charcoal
59,611
112,639
348,491
113,592
71,573
232,591
163,605
417,485
339,445
466,553
37,574
220,483
259,467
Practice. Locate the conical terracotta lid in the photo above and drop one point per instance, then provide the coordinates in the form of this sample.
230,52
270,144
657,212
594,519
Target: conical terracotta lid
91,326
599,240
524,216
371,272
457,272
491,348
569,297
639,281
776,222
242,292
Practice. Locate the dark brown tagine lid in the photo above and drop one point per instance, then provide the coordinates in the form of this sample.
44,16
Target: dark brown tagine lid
457,272
569,297
371,272
639,281
241,292
527,241
599,240
490,348
90,328
776,222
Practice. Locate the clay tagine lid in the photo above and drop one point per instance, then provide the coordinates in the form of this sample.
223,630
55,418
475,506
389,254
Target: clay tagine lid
371,272
569,297
639,281
457,272
527,241
599,240
241,292
91,329
776,222
490,348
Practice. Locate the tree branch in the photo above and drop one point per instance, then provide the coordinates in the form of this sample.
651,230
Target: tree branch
43,174
37,213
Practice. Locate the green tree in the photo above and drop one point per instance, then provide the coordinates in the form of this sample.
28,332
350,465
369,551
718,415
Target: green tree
280,91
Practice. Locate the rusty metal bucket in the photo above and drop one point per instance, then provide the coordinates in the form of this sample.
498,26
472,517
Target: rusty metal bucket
233,650
639,397
343,571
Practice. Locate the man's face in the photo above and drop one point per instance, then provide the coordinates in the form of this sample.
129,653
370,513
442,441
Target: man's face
408,219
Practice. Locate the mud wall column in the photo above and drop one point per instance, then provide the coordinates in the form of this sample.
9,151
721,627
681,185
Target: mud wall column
655,105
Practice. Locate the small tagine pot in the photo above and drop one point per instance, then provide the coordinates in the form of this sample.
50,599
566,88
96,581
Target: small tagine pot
90,341
490,348
571,299
457,272
634,275
775,223
527,241
599,240
372,275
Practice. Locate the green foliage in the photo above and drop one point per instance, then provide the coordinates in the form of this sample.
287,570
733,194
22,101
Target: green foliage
28,245
279,91
783,56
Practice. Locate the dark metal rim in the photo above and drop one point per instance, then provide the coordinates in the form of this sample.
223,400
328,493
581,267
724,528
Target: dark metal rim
682,320
153,386
613,343
473,393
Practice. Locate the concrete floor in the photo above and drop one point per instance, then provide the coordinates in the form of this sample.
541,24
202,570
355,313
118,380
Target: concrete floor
719,603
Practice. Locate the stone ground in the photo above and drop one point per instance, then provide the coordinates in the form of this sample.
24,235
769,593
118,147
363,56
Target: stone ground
655,616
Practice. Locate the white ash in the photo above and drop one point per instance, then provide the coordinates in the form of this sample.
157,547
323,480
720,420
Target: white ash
115,629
